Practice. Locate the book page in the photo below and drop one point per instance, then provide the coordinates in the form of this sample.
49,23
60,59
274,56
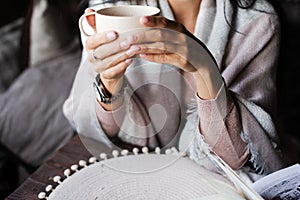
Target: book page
283,184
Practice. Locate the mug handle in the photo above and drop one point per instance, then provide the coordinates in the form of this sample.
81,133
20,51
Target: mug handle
81,21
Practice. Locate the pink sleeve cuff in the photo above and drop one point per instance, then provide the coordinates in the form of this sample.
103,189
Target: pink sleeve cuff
110,120
215,109
220,125
212,114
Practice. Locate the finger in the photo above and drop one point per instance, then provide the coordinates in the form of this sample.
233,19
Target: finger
170,58
158,48
162,47
161,22
91,18
158,35
117,71
99,39
122,44
113,60
125,41
108,58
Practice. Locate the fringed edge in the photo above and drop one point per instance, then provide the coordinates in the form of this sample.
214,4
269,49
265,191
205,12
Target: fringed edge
73,169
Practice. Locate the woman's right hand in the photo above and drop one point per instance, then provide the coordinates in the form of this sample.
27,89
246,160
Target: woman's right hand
110,55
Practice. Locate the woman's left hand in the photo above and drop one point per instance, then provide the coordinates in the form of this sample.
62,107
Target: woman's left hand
170,42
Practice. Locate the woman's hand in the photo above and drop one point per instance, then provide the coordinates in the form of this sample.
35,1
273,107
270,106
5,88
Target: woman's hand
170,42
165,41
108,56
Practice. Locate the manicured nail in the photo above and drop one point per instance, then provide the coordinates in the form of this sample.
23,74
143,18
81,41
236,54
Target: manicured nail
124,44
133,49
128,61
132,38
145,20
143,55
111,35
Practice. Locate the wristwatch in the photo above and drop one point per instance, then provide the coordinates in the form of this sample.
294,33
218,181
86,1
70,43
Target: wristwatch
102,94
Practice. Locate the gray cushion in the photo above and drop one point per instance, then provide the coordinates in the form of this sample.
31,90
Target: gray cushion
32,124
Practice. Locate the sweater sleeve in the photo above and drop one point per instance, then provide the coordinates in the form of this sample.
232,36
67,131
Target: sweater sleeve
220,125
248,121
110,120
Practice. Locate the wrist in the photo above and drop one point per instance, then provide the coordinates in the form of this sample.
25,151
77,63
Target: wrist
113,86
104,96
208,83
112,106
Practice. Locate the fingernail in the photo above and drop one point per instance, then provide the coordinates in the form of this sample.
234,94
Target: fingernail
133,49
145,20
111,35
143,55
128,61
132,38
124,44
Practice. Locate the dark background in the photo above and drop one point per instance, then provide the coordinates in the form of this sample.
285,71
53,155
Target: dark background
12,9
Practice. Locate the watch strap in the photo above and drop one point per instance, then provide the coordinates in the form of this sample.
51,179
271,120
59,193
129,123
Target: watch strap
103,95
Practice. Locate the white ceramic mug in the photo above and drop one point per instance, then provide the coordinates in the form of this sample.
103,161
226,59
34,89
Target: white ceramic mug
119,18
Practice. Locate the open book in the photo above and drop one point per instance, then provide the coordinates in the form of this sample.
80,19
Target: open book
239,183
282,184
